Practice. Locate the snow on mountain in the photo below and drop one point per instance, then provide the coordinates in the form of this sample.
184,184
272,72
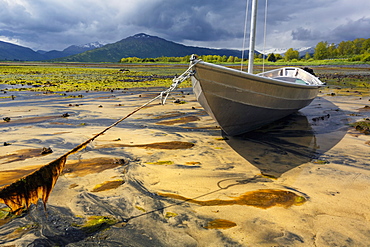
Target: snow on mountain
75,49
302,51
92,45
141,36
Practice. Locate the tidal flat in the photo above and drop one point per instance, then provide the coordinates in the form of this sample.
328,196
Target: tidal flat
168,176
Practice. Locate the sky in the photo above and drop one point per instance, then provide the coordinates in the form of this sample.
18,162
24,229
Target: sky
57,24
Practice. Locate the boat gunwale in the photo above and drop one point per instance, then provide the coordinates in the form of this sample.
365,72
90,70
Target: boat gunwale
255,92
256,77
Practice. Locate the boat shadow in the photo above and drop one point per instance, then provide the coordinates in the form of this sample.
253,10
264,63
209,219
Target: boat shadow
293,140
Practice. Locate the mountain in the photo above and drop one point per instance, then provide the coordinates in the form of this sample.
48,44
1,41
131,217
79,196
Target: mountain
76,49
13,52
143,46
140,45
71,50
302,51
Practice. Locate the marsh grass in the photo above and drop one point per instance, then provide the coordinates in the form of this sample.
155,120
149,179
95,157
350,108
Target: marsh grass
77,78
105,77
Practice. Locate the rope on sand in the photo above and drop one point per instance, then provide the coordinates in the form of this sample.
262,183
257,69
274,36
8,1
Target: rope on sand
27,190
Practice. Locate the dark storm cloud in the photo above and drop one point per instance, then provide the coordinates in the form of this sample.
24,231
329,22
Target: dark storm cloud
353,29
348,31
305,34
56,24
194,20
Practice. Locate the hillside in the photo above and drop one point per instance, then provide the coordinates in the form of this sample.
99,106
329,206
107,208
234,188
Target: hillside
143,46
140,45
13,52
69,51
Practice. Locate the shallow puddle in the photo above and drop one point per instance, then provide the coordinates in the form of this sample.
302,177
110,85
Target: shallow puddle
156,145
192,163
182,120
170,115
161,162
5,221
220,224
82,168
20,231
28,120
366,108
22,154
9,176
59,123
261,199
60,133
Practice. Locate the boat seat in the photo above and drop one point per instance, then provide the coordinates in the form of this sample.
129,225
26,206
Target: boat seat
288,72
291,79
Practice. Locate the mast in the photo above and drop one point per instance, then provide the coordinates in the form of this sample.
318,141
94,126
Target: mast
252,36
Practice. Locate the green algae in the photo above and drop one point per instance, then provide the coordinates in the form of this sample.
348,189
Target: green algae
320,162
97,223
70,78
140,208
362,126
169,215
161,162
108,185
220,224
20,231
261,199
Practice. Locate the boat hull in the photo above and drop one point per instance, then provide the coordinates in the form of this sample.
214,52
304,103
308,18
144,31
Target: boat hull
241,102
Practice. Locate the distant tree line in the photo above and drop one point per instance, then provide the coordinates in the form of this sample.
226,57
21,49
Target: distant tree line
206,58
356,50
156,60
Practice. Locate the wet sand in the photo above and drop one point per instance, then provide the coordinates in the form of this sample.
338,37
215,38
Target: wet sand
168,176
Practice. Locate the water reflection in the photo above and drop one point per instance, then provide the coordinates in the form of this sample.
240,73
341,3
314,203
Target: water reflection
13,86
294,140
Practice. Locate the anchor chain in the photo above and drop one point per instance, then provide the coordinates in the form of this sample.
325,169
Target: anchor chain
178,80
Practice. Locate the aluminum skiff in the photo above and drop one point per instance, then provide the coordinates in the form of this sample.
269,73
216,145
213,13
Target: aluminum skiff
240,102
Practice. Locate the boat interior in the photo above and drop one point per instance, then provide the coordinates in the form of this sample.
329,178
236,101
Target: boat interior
292,75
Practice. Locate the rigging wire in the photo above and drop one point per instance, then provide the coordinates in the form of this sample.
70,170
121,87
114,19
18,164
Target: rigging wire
245,32
264,38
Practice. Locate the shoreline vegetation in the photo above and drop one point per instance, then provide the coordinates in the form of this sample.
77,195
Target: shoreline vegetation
74,77
237,61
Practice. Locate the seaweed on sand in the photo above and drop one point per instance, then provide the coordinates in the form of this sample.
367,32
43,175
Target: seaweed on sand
19,195
28,190
24,192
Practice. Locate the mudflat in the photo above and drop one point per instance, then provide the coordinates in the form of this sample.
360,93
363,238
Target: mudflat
168,176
